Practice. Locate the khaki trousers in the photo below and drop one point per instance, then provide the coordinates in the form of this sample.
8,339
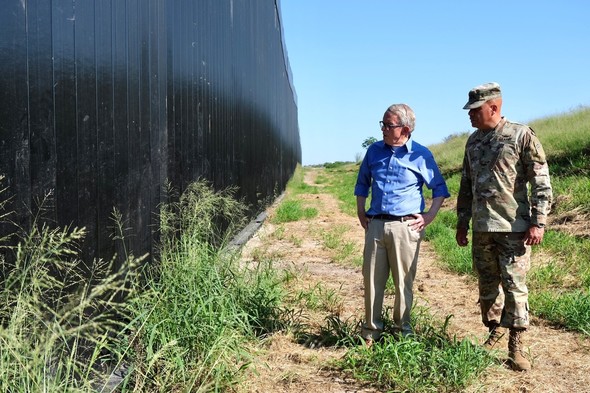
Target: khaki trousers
390,246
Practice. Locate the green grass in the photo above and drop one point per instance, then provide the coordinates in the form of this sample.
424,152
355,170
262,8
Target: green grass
449,154
201,308
297,185
182,327
571,309
335,239
61,331
319,297
441,233
569,255
565,136
431,360
573,194
339,180
293,210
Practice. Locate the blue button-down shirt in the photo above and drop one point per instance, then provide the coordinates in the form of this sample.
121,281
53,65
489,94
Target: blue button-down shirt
396,176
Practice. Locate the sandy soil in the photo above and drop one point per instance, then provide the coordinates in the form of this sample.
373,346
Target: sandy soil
561,359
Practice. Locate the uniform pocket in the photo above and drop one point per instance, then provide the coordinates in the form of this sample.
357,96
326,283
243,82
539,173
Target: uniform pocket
506,158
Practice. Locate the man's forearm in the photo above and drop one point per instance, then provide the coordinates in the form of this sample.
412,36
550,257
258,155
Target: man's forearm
360,204
436,205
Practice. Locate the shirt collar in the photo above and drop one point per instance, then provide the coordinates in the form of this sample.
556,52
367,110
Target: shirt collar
500,124
408,145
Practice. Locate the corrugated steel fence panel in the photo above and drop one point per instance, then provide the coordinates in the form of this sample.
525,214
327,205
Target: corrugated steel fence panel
103,101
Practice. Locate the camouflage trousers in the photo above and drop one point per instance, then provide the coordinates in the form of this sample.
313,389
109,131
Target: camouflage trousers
501,261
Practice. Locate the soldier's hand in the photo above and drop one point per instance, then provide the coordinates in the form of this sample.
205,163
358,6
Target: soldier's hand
534,235
461,237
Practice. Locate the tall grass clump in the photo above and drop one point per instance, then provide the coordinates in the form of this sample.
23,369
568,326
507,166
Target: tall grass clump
570,309
180,324
200,307
569,260
429,361
62,321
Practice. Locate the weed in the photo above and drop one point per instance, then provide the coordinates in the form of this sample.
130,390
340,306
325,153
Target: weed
183,326
429,360
194,319
319,298
63,321
292,210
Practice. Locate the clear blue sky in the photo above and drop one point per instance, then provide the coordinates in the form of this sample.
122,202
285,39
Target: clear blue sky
351,59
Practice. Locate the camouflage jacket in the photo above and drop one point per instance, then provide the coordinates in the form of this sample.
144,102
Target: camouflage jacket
497,167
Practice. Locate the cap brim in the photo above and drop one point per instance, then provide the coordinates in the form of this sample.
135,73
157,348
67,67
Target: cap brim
473,105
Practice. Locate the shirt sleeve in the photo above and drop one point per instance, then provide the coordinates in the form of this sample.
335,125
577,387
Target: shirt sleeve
363,181
537,169
465,197
434,179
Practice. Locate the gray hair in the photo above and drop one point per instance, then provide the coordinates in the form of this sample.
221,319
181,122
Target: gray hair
405,115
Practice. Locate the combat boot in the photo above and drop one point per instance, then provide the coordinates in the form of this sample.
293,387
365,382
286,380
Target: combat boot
515,353
494,335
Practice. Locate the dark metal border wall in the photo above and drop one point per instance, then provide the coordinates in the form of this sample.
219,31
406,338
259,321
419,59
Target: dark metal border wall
104,101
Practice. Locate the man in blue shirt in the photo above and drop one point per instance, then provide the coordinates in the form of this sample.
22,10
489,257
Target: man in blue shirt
395,170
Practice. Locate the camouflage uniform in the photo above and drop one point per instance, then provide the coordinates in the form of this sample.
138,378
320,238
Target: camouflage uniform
493,194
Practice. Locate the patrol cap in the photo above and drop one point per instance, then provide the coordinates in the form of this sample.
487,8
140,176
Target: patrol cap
482,93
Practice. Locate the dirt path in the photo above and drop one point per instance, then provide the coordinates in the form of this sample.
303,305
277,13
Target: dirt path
561,360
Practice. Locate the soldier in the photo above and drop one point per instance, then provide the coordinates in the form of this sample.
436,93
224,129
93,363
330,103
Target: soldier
501,158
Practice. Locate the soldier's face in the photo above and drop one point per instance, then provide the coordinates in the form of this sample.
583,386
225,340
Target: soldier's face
482,117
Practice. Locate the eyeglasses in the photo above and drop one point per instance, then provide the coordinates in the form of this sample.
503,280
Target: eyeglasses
389,126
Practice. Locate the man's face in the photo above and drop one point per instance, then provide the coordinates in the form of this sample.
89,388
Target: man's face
393,132
482,117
